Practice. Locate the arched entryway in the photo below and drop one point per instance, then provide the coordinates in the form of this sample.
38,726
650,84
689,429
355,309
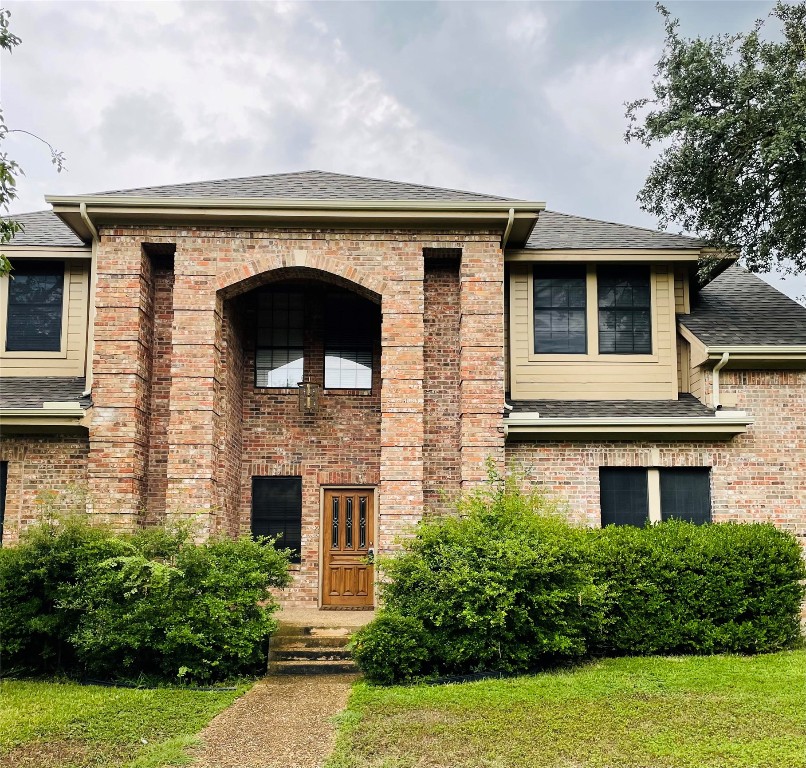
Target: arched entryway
301,394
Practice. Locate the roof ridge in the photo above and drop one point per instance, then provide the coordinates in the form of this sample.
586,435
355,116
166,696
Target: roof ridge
308,172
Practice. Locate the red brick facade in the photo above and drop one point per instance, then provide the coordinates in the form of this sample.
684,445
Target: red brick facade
43,470
442,452
179,428
757,476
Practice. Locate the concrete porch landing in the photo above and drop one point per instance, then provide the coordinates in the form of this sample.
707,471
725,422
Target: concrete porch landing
313,617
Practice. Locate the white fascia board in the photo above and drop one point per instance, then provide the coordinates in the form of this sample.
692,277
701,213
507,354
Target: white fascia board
112,201
60,412
627,428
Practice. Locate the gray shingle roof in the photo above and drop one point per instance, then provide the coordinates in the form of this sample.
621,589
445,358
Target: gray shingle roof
25,392
305,185
44,228
555,231
739,308
687,407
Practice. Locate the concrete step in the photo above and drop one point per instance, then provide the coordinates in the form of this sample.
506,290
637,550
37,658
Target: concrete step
293,630
320,646
336,667
310,654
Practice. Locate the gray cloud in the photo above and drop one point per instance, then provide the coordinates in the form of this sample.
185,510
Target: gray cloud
521,99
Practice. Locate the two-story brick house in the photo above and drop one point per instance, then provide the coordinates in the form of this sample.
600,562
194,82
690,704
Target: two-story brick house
331,357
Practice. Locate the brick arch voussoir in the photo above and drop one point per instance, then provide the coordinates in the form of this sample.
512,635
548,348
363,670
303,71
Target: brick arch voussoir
241,278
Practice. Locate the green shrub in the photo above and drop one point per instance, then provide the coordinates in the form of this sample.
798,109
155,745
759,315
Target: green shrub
392,637
507,585
504,585
81,599
34,626
682,588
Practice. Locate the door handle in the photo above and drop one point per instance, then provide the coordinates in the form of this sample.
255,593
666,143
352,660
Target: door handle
370,556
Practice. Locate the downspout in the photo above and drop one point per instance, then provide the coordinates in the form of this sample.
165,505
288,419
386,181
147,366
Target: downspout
510,222
717,368
90,346
504,240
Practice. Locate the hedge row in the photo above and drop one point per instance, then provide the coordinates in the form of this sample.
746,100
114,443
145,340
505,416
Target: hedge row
80,599
507,585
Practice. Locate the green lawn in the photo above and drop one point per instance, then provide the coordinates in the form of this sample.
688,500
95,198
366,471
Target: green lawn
680,712
62,725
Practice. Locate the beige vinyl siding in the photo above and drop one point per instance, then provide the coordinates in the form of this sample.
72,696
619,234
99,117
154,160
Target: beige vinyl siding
681,295
70,361
593,376
697,384
683,365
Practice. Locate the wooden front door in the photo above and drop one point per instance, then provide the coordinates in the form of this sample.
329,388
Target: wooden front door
348,538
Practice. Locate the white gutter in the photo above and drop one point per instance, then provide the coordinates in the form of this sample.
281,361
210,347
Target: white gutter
90,339
110,201
717,368
510,222
534,420
758,350
45,413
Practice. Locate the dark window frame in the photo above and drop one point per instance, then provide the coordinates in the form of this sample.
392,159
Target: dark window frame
614,517
607,276
554,275
701,507
274,291
15,310
700,503
272,530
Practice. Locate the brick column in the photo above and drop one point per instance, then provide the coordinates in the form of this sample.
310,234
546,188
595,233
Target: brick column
195,390
119,432
402,339
481,360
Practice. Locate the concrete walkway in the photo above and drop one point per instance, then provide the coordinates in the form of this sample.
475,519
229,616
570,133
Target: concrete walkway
284,721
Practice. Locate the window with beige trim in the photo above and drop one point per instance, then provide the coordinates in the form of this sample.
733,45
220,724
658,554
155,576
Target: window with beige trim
560,309
35,307
637,495
595,310
625,310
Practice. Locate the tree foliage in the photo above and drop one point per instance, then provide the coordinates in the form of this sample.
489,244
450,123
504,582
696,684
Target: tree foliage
729,113
10,170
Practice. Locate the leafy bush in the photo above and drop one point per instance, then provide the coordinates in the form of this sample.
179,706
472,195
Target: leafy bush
34,627
682,588
504,585
392,637
80,598
508,585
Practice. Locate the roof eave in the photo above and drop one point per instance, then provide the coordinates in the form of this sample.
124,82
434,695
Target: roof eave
33,419
123,208
703,428
744,355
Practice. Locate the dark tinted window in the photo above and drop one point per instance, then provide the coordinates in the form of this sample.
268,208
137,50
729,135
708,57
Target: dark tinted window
685,494
625,325
280,335
277,509
35,296
350,325
624,496
559,304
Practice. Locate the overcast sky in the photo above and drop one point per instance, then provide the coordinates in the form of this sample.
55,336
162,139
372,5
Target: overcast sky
522,99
